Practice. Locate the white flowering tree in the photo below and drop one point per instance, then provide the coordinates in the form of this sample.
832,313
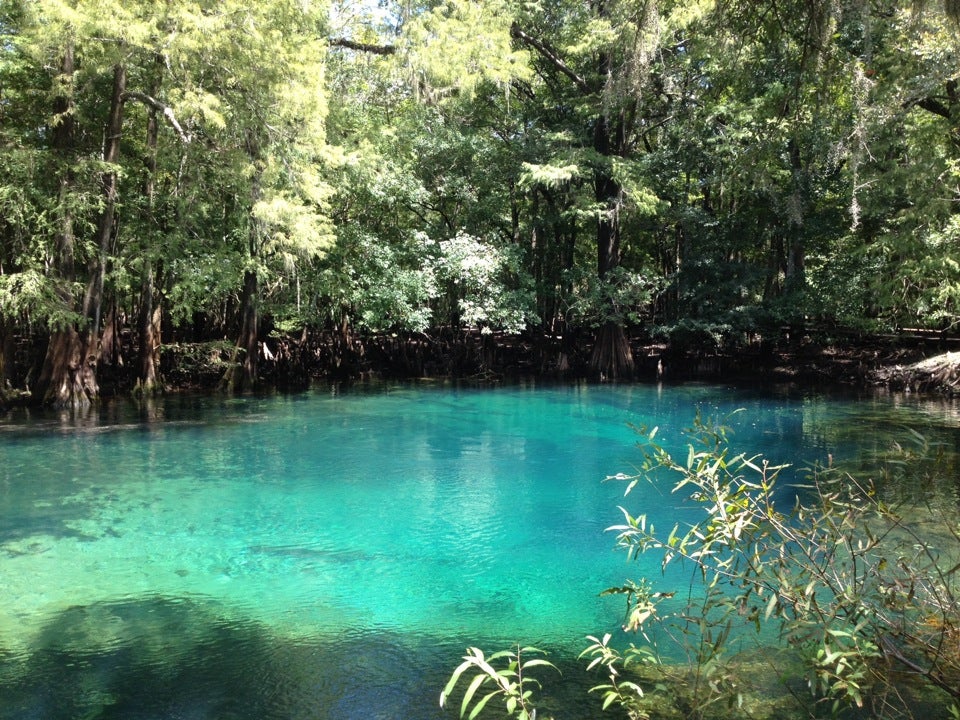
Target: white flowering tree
483,285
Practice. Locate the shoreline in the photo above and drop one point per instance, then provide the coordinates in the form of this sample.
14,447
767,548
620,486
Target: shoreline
872,363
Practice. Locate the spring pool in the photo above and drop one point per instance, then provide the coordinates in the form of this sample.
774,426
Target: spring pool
331,554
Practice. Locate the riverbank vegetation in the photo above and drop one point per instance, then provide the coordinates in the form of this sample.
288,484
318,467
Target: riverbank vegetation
833,597
289,188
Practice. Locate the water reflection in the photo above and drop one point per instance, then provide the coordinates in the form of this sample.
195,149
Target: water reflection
162,657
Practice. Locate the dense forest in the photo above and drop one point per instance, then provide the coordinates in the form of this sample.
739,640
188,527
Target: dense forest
281,185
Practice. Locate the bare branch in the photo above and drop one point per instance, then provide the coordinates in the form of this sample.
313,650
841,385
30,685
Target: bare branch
547,54
165,110
930,104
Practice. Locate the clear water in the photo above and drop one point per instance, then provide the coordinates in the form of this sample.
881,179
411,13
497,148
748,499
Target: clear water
331,554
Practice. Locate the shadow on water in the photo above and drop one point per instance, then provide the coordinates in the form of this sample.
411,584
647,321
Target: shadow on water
162,658
30,430
125,414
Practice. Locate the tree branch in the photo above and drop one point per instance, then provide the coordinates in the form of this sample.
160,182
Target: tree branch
930,105
547,54
165,110
363,47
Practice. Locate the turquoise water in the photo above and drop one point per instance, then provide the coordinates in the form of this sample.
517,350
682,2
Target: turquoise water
331,554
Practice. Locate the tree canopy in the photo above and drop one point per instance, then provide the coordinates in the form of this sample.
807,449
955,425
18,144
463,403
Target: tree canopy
702,172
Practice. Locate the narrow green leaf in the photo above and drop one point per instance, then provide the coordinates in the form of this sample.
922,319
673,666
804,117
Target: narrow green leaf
453,680
538,662
478,708
471,690
771,604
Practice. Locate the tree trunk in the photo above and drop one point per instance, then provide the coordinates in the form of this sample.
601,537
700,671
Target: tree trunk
93,301
149,380
65,378
63,138
148,328
69,374
609,196
243,371
244,366
612,358
110,348
797,211
250,331
6,357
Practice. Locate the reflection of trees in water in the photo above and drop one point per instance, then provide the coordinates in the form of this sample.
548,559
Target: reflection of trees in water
175,658
166,657
909,448
155,657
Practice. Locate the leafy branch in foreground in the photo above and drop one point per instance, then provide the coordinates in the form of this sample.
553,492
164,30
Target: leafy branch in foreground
511,682
844,579
823,571
618,690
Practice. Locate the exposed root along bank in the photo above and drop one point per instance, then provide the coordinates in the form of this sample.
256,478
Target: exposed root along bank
939,374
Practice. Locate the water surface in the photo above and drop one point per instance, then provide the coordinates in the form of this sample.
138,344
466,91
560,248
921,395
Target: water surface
331,554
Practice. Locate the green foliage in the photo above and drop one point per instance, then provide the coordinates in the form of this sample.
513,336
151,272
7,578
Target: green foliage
847,582
752,164
375,285
618,690
488,285
511,682
200,280
824,571
549,175
620,296
460,44
31,295
691,335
